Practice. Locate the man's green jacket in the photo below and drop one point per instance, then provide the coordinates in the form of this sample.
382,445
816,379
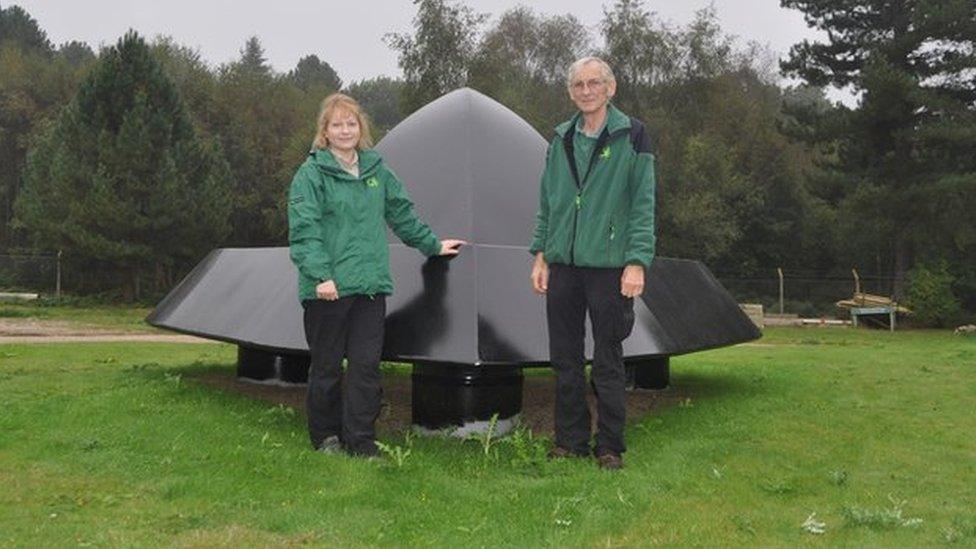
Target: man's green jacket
337,224
603,218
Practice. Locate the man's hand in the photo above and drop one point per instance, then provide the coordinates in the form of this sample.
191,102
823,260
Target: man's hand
327,291
451,246
540,274
632,281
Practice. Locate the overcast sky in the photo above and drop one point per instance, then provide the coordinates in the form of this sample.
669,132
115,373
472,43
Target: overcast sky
349,35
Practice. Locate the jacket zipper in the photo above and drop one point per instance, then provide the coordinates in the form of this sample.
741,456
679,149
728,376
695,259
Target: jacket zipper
572,243
571,158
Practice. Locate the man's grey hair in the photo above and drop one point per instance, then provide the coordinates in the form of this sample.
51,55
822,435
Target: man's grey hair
578,65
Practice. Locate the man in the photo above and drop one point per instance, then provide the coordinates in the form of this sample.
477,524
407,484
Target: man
593,242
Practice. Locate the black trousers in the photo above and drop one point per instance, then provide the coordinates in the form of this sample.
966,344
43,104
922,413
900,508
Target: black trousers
350,327
574,291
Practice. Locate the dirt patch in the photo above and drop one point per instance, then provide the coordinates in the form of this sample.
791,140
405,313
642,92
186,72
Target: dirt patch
104,338
33,330
33,327
538,400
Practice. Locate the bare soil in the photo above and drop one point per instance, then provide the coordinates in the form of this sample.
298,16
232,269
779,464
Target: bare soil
538,400
33,330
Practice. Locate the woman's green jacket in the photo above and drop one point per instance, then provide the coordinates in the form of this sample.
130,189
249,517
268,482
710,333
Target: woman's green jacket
337,224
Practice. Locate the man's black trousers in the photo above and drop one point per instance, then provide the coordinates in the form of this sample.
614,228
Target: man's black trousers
574,291
350,327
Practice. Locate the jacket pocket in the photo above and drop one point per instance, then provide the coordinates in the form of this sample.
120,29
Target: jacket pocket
616,237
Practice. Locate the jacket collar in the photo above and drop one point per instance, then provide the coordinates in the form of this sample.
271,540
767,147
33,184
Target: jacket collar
616,121
369,162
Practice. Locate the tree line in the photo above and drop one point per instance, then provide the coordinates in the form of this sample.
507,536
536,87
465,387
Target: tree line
164,156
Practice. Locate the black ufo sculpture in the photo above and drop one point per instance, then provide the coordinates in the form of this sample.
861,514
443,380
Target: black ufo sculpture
467,324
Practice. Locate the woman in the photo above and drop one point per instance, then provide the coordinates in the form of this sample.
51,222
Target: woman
339,205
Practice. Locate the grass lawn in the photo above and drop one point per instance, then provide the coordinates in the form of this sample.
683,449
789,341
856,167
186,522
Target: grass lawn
868,434
102,317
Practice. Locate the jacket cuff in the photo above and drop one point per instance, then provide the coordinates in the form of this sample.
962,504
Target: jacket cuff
638,261
319,273
432,247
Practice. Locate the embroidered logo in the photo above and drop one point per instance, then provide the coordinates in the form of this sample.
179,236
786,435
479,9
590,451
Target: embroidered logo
606,153
372,182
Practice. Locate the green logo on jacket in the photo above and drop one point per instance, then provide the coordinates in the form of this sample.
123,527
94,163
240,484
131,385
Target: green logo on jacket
606,153
372,182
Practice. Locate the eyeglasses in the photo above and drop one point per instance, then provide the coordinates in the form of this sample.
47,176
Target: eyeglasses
593,84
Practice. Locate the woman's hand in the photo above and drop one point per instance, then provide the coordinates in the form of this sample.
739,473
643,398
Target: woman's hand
540,274
327,291
451,246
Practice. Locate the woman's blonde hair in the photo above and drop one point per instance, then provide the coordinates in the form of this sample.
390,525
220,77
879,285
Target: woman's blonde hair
342,103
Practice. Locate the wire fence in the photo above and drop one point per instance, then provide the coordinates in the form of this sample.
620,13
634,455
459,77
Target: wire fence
808,295
31,273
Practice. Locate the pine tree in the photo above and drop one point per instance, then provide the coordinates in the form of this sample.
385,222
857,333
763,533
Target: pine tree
35,82
252,58
121,182
906,150
17,26
311,73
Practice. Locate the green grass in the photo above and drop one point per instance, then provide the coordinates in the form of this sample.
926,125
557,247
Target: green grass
869,432
104,317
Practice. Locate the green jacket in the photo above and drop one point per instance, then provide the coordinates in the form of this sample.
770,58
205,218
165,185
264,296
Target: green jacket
337,224
604,218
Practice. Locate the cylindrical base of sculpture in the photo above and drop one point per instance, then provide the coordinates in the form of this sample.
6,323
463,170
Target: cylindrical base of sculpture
648,373
271,367
460,399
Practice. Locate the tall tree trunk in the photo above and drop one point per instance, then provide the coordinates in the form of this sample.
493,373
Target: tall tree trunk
902,260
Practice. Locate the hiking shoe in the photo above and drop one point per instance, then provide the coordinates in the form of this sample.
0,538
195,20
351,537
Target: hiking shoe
610,461
558,452
329,445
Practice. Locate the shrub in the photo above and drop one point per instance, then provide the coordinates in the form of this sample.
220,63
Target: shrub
930,295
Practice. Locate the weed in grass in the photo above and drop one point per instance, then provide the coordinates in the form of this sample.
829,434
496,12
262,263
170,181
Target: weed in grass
175,379
778,487
106,360
488,440
474,529
278,413
811,342
686,403
880,519
90,444
530,450
622,499
143,367
565,510
265,441
716,472
959,530
743,525
838,478
814,526
396,454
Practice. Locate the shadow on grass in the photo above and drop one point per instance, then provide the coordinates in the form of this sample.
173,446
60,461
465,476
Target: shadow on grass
217,380
715,385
